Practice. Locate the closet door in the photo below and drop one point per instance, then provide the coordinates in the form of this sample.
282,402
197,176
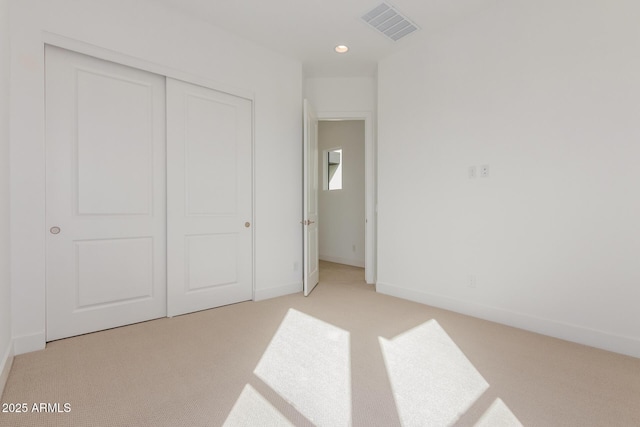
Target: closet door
106,194
209,189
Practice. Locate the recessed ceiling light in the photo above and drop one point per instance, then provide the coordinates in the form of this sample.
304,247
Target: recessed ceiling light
341,48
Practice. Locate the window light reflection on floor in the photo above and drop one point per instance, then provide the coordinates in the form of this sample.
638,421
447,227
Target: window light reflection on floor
251,409
430,377
498,415
308,363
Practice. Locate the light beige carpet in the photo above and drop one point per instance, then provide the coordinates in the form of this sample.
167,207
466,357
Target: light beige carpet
345,355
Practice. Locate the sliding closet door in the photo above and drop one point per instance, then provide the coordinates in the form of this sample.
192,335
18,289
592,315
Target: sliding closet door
209,205
106,195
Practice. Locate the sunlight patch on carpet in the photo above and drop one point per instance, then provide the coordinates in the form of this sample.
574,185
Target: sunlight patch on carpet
251,409
308,364
498,415
431,379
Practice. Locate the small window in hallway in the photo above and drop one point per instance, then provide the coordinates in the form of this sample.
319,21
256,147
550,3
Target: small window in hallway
334,169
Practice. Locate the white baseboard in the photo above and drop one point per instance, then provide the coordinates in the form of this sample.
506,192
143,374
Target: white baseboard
5,367
29,343
340,260
619,344
262,294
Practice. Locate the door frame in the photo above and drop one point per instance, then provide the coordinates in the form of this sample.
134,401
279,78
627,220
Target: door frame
370,203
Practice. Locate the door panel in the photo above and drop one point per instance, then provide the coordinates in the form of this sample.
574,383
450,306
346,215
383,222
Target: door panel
201,272
211,163
114,144
209,198
310,199
105,161
113,270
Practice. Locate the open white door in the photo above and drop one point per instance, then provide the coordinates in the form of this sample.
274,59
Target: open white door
310,199
209,198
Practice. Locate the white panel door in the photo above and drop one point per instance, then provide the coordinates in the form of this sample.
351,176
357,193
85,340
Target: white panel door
310,199
105,194
209,198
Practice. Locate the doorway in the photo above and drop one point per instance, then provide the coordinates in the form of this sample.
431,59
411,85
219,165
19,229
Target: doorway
370,216
341,195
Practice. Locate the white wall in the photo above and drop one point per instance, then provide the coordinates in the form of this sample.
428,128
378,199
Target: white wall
5,284
341,219
341,93
181,44
547,93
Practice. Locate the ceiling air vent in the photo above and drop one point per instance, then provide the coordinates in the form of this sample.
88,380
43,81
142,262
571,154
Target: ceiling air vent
386,19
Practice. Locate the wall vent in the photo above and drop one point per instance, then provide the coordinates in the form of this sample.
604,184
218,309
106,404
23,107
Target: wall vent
387,20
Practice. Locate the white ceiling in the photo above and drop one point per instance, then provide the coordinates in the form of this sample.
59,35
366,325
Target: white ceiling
308,30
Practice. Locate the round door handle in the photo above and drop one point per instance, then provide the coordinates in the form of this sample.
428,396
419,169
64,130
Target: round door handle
54,230
247,224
